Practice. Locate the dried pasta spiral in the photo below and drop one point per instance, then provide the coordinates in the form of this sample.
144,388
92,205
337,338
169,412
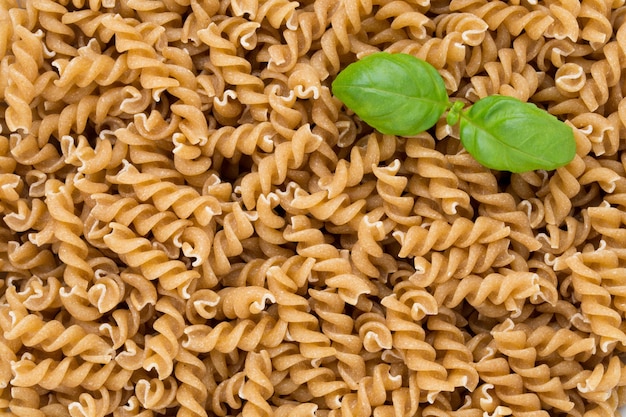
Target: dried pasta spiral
338,327
31,330
522,361
23,74
192,393
410,340
172,274
594,298
515,17
185,202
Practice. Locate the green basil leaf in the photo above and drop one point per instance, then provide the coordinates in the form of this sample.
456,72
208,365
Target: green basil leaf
507,134
397,94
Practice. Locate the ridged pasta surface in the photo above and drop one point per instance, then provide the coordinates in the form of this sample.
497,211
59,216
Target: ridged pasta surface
192,225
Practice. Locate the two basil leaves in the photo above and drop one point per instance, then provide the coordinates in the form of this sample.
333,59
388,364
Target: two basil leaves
403,95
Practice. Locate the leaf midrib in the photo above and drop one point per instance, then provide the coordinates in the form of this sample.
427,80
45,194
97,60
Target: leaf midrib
425,99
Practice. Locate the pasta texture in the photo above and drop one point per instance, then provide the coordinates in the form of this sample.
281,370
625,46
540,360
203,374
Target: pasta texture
192,225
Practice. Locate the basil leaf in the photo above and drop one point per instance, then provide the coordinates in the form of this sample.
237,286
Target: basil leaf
507,134
397,94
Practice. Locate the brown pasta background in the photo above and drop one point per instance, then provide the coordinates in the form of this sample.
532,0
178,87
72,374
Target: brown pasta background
192,225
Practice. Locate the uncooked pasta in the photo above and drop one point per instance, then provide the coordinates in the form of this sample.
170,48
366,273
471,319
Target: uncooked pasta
192,225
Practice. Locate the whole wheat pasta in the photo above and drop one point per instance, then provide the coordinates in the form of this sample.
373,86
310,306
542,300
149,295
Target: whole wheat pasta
192,225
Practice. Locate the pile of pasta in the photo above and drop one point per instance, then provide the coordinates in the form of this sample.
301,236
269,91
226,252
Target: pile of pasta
191,224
